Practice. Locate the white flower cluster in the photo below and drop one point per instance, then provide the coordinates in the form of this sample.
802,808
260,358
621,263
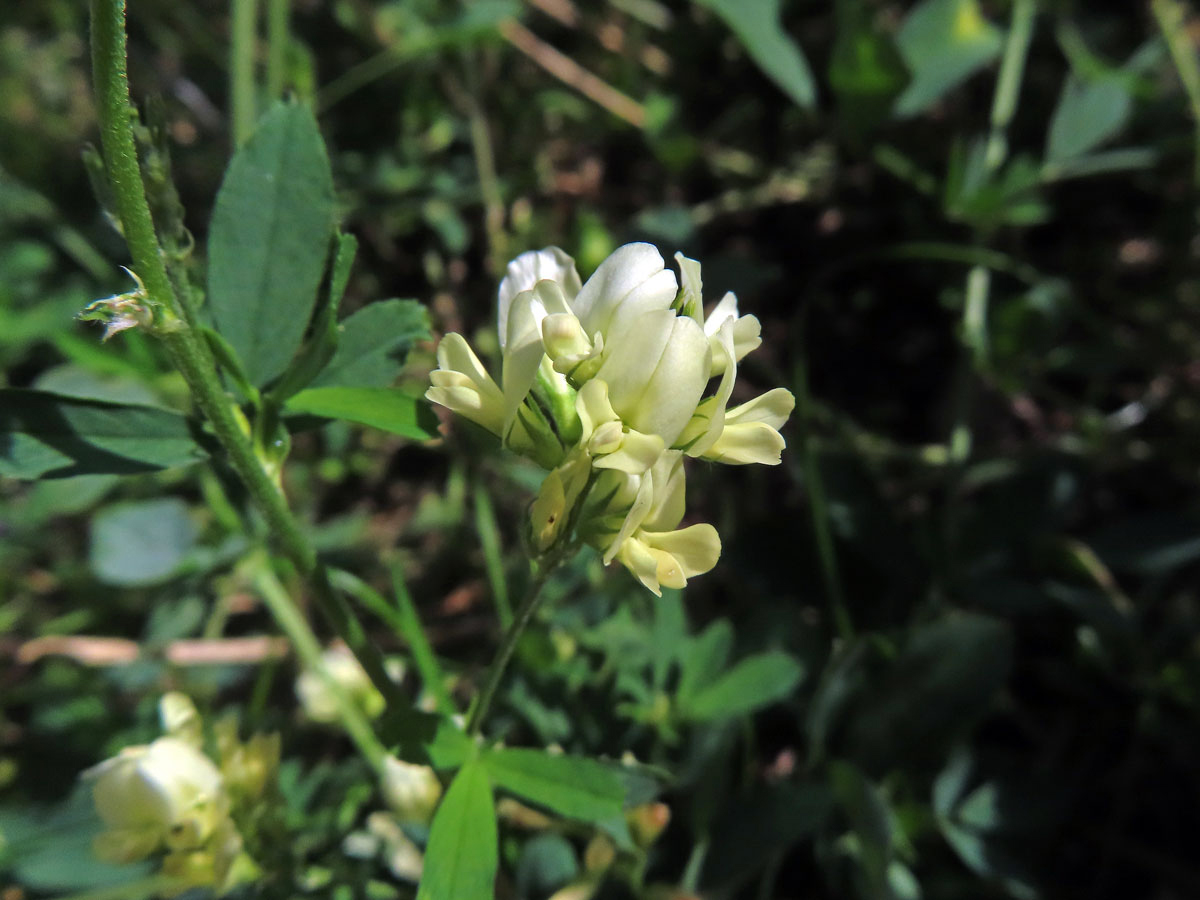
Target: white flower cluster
169,797
604,384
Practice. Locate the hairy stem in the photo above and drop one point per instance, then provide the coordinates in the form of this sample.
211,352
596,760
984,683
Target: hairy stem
186,346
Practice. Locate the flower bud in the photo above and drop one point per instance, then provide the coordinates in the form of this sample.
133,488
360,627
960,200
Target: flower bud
462,384
180,719
647,822
319,699
565,341
411,791
550,513
550,264
165,793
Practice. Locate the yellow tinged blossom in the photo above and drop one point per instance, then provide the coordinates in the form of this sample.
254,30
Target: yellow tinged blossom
606,383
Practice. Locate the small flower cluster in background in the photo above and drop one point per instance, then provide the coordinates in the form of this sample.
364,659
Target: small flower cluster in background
170,797
604,384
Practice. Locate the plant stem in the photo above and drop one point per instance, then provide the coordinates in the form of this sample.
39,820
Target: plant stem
819,509
292,622
403,619
489,537
978,288
278,37
485,166
243,17
186,346
1008,83
1171,16
496,671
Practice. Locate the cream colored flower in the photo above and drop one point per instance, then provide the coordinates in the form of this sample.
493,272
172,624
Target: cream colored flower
342,674
166,793
603,383
411,791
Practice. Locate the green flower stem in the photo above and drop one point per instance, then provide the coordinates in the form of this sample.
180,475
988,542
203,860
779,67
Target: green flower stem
978,288
188,349
1171,16
354,721
402,618
489,537
278,16
1008,83
496,671
243,17
819,509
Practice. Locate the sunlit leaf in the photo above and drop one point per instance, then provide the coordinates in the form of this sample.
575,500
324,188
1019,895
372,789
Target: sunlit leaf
1088,114
571,786
757,25
943,42
142,542
387,409
753,683
462,854
270,236
373,344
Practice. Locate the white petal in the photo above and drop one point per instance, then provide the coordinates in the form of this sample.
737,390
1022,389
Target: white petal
726,309
455,354
527,270
669,493
632,280
691,286
747,443
773,408
696,548
464,386
523,350
722,344
657,371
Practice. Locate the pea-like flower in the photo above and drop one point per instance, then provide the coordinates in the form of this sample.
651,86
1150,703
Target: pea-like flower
165,794
603,382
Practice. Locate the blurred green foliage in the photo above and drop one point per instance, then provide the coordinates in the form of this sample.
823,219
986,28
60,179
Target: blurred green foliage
952,648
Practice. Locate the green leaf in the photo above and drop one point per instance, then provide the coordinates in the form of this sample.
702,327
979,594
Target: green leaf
757,25
49,850
703,657
450,746
866,70
322,342
142,543
547,862
374,343
761,823
571,786
755,682
1087,115
462,854
44,435
942,680
943,42
869,817
385,408
270,236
